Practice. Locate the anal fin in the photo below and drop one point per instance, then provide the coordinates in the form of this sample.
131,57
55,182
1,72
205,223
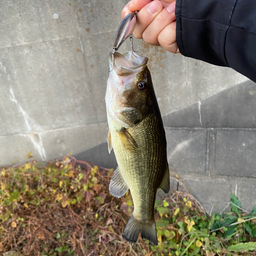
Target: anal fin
165,184
117,186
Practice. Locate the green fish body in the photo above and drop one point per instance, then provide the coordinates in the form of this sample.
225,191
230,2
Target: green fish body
137,136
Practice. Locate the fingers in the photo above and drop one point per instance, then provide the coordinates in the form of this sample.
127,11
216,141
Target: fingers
167,38
165,17
126,10
155,22
145,16
134,5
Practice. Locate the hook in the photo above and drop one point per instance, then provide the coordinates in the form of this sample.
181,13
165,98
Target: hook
131,40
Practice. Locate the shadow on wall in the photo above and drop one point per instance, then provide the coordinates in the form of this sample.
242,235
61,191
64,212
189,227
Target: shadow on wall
231,108
99,155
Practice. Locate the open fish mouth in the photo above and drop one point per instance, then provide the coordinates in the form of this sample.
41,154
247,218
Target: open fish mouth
125,64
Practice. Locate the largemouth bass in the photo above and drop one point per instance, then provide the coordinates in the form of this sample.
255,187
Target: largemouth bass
137,136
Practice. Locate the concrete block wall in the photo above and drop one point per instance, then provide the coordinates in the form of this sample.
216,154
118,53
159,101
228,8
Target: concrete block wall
212,146
53,72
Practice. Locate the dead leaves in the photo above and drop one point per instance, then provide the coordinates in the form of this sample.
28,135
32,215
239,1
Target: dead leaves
13,224
40,235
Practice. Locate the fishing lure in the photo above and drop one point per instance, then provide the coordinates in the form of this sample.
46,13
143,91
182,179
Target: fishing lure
124,30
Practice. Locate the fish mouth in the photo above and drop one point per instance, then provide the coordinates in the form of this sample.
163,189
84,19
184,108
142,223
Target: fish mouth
126,64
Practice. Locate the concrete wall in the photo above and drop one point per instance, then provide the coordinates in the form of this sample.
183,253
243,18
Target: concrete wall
53,72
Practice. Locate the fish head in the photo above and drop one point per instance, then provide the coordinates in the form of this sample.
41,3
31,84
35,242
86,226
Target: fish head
130,94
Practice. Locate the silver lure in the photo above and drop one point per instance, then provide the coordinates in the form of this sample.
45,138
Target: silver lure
125,29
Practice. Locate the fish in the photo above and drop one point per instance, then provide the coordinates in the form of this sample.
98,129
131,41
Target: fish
137,136
125,29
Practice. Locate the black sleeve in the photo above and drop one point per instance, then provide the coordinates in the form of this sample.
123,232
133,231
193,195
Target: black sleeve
221,32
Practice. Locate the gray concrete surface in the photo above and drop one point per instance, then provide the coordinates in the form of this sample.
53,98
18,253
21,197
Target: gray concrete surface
53,72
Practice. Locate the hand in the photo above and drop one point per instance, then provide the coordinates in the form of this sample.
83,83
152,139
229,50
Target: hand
156,22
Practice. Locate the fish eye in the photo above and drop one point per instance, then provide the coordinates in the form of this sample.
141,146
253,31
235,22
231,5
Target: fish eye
142,85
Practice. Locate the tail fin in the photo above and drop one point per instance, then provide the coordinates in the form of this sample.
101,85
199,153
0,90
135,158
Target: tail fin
133,227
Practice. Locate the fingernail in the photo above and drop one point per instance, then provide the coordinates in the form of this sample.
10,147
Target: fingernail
171,8
153,7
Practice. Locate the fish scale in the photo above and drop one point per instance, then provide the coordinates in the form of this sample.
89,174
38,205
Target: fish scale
143,169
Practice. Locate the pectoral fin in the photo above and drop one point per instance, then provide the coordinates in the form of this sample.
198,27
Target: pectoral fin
117,186
124,133
109,142
165,184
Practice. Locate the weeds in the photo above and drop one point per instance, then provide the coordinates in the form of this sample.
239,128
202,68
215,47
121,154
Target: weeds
64,208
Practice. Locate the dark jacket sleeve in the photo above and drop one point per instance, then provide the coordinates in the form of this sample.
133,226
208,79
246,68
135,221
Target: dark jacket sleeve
221,32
